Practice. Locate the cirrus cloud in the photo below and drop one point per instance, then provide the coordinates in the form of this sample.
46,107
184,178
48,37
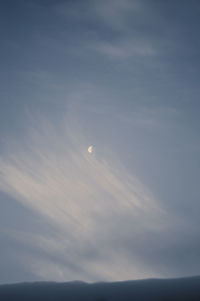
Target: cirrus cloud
95,205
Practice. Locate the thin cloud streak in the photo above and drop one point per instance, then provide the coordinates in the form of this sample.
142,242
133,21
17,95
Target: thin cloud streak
126,50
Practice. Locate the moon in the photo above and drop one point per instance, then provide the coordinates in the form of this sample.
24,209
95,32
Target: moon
90,149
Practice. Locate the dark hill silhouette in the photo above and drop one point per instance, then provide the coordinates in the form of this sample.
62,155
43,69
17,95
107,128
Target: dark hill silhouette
183,289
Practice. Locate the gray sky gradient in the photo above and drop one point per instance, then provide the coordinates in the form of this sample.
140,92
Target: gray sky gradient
122,76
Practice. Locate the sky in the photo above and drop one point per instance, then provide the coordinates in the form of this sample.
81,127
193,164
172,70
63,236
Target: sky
121,76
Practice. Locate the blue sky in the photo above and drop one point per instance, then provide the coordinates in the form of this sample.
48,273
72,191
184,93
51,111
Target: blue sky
122,76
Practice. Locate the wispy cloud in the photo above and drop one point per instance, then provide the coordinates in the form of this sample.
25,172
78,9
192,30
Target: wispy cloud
95,205
116,14
119,20
124,50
